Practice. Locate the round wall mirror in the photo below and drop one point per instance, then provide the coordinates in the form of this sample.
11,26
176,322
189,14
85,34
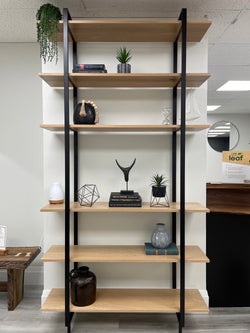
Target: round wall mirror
223,135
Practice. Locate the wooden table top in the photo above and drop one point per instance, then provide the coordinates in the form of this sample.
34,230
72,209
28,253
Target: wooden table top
19,257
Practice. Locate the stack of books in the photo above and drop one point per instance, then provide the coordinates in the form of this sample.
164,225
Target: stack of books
89,68
118,199
171,249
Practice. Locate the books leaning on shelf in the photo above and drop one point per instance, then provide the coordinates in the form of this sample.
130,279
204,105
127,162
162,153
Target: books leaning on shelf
125,200
171,249
89,68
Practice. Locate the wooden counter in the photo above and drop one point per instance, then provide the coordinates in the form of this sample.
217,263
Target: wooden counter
228,198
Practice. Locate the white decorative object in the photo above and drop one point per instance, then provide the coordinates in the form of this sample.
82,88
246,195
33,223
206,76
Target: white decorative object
3,235
192,107
167,116
56,195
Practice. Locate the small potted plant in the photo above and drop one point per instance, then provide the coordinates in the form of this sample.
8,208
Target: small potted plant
123,56
48,17
158,187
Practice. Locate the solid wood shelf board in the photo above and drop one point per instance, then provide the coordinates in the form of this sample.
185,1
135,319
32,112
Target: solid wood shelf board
131,300
196,128
113,128
102,207
119,253
53,208
133,30
195,80
130,80
123,128
191,207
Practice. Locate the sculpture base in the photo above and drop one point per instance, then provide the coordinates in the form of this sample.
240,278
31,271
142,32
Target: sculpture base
123,192
125,199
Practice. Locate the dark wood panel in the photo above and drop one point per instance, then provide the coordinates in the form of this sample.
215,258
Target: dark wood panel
15,287
229,198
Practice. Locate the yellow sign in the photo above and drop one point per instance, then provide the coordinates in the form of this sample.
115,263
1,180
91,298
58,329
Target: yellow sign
237,157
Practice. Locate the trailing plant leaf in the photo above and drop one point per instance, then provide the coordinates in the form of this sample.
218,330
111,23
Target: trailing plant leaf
158,180
47,29
123,56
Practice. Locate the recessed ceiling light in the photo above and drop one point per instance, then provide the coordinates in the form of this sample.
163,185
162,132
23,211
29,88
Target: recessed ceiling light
235,86
213,107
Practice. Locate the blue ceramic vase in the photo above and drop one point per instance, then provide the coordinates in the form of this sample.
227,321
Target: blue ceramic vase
160,237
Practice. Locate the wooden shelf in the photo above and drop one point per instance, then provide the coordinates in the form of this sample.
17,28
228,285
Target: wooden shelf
114,128
102,207
133,30
130,80
131,300
123,128
118,253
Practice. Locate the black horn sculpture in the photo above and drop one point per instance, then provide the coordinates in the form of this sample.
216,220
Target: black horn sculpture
126,172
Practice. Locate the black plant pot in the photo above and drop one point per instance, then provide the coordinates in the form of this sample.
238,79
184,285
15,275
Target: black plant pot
123,68
159,191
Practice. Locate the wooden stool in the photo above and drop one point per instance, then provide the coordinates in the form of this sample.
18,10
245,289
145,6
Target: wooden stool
15,262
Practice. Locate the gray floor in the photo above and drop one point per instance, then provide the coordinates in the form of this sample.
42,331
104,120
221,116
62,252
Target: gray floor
27,317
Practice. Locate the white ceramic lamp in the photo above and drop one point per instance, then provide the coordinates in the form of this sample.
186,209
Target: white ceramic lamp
56,195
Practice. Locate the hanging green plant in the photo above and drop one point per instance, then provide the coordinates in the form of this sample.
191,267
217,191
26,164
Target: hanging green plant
48,17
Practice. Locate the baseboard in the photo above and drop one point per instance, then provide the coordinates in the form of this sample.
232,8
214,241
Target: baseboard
205,296
45,294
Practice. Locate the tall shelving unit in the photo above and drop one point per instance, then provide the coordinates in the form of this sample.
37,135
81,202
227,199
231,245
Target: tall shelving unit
173,300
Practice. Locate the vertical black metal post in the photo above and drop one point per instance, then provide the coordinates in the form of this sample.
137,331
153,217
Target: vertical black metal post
75,97
175,58
67,163
183,18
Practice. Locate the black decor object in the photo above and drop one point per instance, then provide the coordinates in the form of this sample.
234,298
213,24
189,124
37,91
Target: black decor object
83,286
86,113
88,195
126,171
159,201
159,191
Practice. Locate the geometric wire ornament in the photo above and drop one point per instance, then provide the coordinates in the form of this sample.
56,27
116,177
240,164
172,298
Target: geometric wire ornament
88,194
155,201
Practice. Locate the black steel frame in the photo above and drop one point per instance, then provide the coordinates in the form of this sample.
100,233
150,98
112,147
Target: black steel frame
67,83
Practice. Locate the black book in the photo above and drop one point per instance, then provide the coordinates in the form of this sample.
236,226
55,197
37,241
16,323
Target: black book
89,66
137,204
118,195
89,71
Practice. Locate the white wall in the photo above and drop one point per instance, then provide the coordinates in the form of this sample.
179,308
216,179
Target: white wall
97,153
21,159
214,158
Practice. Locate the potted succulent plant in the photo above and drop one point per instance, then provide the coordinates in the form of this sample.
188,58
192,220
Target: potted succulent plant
158,187
48,17
123,56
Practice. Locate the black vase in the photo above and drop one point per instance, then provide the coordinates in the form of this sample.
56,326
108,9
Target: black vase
83,286
85,113
159,191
